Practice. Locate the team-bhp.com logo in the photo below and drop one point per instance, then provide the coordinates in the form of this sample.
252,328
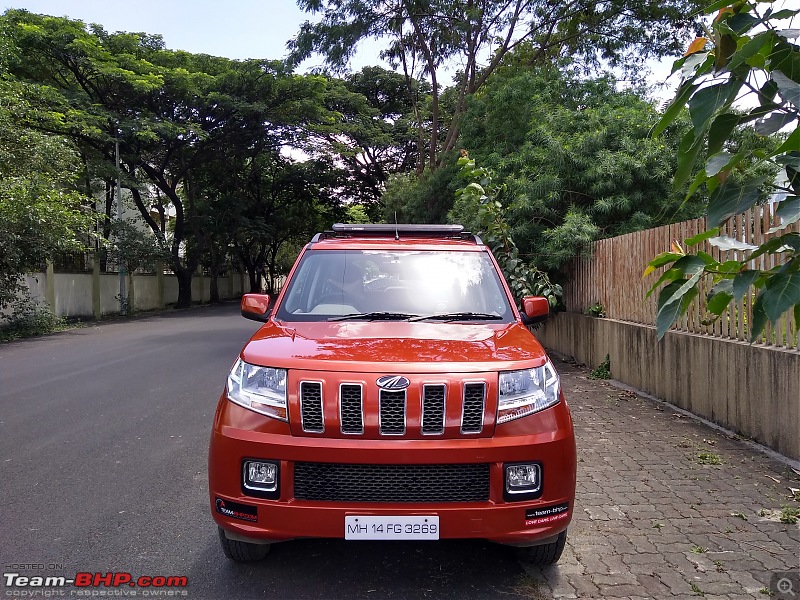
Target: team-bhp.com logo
95,580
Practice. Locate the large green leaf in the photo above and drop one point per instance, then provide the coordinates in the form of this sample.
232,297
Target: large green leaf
673,110
688,150
720,130
670,312
692,241
707,101
742,282
788,89
730,199
788,212
781,292
778,244
759,320
774,122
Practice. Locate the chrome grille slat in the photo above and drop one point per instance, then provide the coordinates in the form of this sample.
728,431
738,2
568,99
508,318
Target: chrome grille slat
392,412
338,482
472,412
311,418
433,408
351,408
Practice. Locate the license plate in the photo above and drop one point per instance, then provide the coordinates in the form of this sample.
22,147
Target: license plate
391,528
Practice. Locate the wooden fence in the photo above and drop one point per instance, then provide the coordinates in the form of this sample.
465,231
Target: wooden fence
612,277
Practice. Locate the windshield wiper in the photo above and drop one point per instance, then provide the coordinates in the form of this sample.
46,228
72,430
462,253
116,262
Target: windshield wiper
375,316
458,316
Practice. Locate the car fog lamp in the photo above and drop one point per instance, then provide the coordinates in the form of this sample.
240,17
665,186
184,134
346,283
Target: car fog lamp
260,476
523,479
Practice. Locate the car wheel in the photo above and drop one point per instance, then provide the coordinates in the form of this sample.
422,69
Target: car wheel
546,554
241,551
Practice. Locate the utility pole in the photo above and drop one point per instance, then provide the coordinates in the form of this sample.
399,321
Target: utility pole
123,297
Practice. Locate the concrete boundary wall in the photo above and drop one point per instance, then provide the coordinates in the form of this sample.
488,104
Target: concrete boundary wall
94,295
751,389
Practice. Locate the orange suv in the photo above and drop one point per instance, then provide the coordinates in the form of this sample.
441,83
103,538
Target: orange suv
393,393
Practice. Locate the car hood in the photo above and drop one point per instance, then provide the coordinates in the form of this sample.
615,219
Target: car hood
380,346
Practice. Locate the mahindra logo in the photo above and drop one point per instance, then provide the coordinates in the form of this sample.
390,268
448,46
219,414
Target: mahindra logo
393,382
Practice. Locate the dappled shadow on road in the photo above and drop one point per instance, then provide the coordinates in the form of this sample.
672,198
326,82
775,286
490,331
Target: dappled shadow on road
338,569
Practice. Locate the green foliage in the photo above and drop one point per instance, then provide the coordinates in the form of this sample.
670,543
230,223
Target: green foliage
27,319
603,370
577,157
138,248
425,37
481,197
596,310
422,199
789,514
174,114
40,211
746,51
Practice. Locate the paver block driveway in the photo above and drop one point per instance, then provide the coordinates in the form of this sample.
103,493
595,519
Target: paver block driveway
667,507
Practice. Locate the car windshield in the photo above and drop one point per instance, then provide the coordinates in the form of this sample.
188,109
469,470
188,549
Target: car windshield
395,285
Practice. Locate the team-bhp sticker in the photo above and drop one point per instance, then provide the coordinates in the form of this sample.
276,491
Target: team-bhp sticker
546,514
236,510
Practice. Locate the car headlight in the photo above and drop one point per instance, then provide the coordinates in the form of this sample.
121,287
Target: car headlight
528,391
261,389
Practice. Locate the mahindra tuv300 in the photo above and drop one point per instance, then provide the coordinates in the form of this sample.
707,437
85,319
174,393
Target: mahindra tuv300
394,392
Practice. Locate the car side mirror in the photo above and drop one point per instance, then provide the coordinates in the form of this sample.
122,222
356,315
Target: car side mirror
256,307
535,309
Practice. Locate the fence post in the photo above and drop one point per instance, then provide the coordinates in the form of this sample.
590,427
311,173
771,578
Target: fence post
50,282
96,306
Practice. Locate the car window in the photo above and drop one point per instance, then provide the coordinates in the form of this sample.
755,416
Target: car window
332,283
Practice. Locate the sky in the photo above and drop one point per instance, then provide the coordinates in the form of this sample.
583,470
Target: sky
237,29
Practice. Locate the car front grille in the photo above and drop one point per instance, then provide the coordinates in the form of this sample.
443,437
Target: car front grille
311,407
474,399
338,482
424,409
393,412
433,405
351,409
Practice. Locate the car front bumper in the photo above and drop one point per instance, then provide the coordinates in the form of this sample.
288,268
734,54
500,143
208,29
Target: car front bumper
240,434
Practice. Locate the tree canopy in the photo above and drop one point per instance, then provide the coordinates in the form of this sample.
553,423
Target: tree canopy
41,212
426,37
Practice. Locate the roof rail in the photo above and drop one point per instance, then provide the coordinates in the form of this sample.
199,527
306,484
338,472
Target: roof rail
396,231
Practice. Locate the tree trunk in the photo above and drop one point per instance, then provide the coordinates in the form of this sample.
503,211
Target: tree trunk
184,277
253,277
214,287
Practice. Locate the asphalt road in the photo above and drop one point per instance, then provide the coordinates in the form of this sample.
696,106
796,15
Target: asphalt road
103,441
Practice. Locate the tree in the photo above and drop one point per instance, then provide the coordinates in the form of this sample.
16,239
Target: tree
746,51
481,196
171,111
374,135
426,37
41,213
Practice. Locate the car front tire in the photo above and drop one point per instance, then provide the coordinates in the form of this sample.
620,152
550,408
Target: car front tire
546,554
241,551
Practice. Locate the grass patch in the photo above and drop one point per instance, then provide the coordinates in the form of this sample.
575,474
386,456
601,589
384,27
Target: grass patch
789,514
708,458
603,370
